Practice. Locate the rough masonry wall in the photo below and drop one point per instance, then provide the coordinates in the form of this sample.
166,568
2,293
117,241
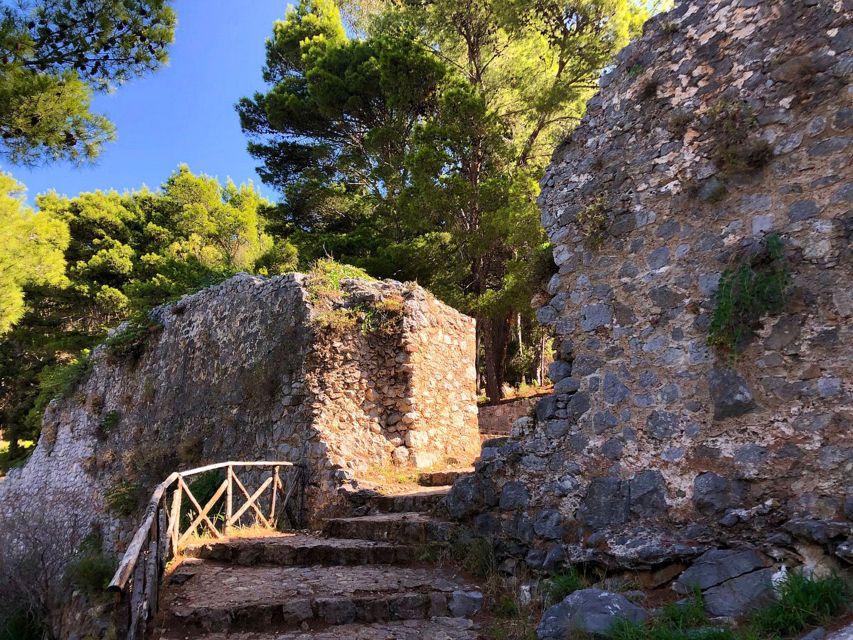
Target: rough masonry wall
400,390
221,380
655,446
241,371
442,351
497,419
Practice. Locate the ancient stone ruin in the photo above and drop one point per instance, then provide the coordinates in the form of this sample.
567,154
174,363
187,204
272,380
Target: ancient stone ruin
718,146
699,434
258,369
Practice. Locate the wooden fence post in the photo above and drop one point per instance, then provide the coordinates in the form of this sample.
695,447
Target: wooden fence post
229,500
275,484
175,528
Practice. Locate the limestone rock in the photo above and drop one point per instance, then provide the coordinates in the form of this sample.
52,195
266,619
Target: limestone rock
741,595
465,604
638,387
587,611
730,394
717,566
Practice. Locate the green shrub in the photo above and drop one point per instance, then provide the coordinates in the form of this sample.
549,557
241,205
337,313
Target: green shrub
21,624
560,585
129,344
203,487
56,381
91,572
636,69
109,421
592,221
803,602
124,497
326,275
748,290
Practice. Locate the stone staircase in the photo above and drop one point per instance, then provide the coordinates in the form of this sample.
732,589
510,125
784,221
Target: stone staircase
361,578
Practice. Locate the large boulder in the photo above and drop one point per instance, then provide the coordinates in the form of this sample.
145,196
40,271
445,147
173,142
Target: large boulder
733,582
589,611
715,567
738,596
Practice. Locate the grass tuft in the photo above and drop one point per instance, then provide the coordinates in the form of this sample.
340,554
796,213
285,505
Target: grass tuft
735,149
109,421
326,275
803,602
560,585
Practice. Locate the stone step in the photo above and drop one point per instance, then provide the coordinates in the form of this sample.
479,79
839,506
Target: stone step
421,501
202,595
442,478
402,528
301,549
373,500
439,628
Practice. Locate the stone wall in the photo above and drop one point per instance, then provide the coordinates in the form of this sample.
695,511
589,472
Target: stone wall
728,122
403,391
497,419
442,352
253,369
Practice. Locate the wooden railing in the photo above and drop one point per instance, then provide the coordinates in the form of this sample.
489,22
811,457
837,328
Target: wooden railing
159,537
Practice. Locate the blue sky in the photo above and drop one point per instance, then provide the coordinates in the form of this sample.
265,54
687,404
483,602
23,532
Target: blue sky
182,113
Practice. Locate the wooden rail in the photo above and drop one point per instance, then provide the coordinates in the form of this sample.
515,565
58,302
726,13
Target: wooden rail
159,537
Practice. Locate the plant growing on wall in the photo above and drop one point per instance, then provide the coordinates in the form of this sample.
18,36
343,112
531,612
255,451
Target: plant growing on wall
592,222
736,150
750,288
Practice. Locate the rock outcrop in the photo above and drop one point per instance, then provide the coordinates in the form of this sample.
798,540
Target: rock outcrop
379,374
719,143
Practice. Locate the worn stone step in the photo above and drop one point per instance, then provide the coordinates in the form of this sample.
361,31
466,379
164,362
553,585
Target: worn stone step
421,501
301,549
440,628
374,500
211,596
403,528
442,478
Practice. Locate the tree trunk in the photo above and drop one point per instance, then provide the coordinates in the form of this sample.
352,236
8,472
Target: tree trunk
496,333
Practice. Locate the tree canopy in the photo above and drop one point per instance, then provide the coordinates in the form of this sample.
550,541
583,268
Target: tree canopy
415,150
54,54
31,251
118,255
